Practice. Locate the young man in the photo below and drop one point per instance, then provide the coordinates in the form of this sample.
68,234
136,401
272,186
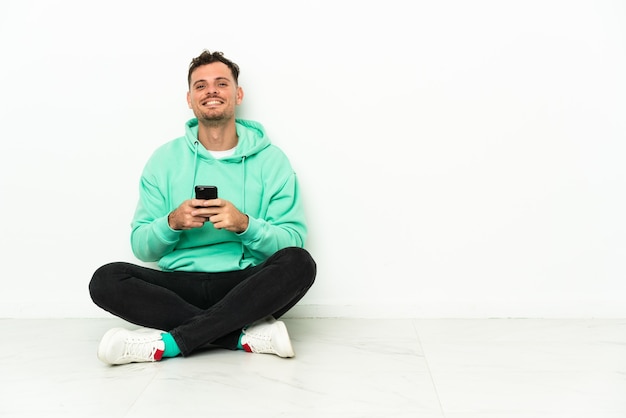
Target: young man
228,266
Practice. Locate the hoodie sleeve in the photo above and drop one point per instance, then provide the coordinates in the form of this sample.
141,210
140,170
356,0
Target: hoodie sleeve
283,226
151,236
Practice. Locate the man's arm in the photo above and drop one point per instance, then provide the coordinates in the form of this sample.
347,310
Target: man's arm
152,237
283,226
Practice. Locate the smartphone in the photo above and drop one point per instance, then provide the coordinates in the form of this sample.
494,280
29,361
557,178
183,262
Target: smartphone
206,192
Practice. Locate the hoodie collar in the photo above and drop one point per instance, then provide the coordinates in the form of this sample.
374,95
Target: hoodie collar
252,139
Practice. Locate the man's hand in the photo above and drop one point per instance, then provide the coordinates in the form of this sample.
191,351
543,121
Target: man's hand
224,215
194,213
184,216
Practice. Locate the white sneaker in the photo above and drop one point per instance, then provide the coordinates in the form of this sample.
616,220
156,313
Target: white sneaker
121,346
267,336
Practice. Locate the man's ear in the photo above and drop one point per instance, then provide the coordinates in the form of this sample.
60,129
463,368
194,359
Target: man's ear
239,95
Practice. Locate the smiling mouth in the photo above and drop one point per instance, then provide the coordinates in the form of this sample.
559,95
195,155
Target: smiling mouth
212,103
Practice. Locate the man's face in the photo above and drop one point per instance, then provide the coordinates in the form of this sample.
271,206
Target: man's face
213,93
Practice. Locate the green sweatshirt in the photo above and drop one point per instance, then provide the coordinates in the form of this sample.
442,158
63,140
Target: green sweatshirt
257,179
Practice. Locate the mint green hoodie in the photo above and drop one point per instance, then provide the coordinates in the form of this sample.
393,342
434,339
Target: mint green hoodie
257,179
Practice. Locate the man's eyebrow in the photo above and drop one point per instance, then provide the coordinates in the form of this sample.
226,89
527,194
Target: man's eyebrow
202,80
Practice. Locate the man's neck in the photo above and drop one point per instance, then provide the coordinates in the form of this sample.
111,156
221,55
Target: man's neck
217,137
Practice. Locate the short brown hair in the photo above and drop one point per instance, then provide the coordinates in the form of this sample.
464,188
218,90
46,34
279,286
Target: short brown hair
208,57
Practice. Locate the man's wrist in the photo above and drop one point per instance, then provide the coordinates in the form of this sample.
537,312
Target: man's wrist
170,221
245,224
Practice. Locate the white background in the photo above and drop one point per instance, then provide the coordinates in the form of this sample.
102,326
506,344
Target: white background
458,158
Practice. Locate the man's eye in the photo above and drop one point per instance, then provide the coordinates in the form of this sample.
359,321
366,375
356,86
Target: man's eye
200,87
223,84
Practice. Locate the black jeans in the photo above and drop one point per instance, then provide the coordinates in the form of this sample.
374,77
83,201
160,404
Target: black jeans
204,308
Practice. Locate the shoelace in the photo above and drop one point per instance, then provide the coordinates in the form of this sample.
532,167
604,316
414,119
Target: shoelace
140,348
259,343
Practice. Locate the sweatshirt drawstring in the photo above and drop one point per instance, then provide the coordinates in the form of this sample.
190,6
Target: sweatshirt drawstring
243,198
243,189
195,167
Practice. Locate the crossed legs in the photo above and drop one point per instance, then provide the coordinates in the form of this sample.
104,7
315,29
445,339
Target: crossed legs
204,308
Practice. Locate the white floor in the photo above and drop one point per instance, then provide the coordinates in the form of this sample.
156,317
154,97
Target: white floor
343,368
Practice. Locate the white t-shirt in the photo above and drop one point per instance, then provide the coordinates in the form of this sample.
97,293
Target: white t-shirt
222,154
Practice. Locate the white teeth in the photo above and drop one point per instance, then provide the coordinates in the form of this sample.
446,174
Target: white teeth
212,102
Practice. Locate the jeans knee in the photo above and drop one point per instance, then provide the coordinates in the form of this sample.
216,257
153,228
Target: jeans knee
100,285
303,265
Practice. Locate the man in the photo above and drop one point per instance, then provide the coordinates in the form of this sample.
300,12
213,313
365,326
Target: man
228,266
